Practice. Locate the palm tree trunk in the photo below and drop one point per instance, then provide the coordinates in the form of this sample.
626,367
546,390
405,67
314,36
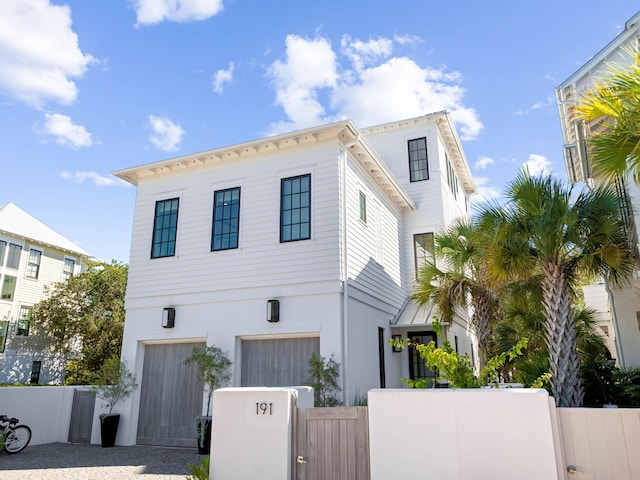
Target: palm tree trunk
561,337
481,322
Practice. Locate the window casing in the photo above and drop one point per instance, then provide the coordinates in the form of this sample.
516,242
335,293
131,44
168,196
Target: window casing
295,208
13,259
418,162
363,208
226,219
33,266
8,287
423,247
3,246
22,328
165,228
67,269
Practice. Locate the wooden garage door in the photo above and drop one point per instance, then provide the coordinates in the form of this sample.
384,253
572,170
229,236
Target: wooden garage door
280,362
170,396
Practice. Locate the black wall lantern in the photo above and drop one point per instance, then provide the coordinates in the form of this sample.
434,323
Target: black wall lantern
273,311
396,338
168,317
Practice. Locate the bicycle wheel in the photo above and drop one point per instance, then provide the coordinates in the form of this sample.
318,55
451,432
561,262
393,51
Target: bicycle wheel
17,439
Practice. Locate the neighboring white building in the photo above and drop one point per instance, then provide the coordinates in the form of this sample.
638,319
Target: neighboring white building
619,309
280,247
32,256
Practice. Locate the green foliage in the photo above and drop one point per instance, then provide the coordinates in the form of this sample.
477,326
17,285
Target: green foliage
114,382
323,377
199,472
360,400
85,318
604,383
214,368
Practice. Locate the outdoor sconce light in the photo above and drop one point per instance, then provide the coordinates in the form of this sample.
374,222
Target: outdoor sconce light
273,311
396,338
168,317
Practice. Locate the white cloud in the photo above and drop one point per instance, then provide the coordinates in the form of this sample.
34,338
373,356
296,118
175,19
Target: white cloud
149,12
40,52
483,162
372,87
221,77
484,193
96,178
536,106
65,131
538,165
166,134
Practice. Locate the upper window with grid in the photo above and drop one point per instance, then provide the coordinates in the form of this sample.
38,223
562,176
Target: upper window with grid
423,249
165,228
33,267
418,164
13,259
226,219
295,208
3,246
67,269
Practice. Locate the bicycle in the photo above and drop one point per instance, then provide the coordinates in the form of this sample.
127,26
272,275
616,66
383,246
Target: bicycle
13,437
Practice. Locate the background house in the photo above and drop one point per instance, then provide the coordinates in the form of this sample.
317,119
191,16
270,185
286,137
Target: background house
32,255
619,309
280,247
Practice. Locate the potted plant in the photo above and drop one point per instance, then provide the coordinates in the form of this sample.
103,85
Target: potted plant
114,382
214,370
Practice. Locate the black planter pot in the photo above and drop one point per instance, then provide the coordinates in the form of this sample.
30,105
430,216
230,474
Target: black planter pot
203,431
109,429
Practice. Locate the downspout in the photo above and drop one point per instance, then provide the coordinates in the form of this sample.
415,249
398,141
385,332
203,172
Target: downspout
345,269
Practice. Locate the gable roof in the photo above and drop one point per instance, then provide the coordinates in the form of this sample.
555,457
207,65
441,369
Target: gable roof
17,222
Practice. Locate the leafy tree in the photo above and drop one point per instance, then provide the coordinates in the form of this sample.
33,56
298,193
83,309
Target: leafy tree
214,368
545,230
323,377
85,318
114,382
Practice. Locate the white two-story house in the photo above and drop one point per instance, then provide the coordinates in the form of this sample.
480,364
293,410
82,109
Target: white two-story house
618,308
32,256
284,246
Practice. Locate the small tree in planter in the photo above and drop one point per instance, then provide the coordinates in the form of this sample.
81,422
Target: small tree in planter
214,370
323,377
114,382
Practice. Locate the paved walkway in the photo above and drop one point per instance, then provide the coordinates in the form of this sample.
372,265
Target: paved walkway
60,461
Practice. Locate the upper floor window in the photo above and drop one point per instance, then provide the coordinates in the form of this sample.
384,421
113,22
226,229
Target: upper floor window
423,247
418,165
363,207
33,267
23,321
226,219
3,246
452,179
67,269
295,208
165,228
13,259
8,287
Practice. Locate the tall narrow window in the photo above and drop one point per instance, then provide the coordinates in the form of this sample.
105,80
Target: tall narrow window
418,165
3,246
295,208
226,219
363,207
22,328
67,269
423,247
13,259
165,228
33,267
4,329
452,179
8,287
36,366
381,347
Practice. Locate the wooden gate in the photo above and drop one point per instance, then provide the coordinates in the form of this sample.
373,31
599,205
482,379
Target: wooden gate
331,443
81,416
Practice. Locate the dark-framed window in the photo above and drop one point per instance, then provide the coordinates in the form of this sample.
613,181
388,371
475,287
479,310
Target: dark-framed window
418,164
13,259
4,329
423,249
8,287
295,208
226,219
381,347
22,328
417,368
67,269
3,246
165,228
33,266
36,367
363,207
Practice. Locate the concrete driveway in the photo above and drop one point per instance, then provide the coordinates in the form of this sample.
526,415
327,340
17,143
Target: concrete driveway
60,461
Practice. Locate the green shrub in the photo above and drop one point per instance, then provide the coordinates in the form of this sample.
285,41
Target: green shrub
199,472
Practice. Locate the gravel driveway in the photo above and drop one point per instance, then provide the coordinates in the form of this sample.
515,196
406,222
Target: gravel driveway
60,461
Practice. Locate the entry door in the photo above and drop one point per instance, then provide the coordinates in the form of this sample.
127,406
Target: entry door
170,396
280,362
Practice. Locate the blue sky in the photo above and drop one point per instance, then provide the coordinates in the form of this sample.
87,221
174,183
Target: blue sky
90,87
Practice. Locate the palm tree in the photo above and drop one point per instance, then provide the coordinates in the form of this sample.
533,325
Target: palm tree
615,149
465,279
544,229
